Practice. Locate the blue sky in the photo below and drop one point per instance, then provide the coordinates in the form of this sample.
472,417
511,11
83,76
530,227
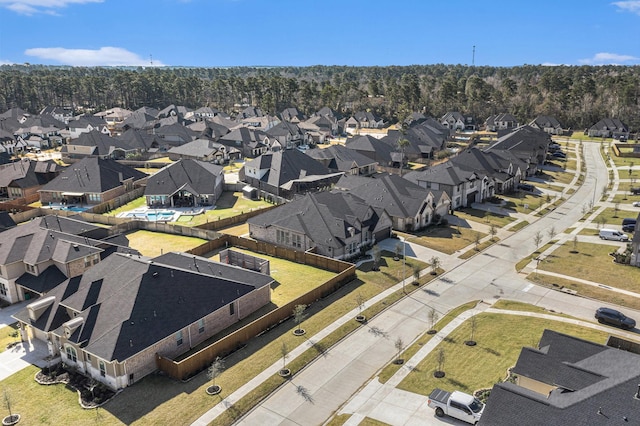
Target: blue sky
319,32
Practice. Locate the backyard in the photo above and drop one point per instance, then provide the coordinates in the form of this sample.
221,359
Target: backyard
154,244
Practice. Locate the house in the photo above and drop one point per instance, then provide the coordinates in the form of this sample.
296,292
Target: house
24,178
89,182
174,134
185,183
136,142
137,120
502,121
528,144
62,114
363,120
501,171
250,142
263,122
249,112
326,125
86,124
114,116
286,173
454,120
287,134
338,158
337,225
203,150
292,115
112,321
463,187
382,153
410,206
6,221
609,128
424,140
39,254
548,124
95,144
567,380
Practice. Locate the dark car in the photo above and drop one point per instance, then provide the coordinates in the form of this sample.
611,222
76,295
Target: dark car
526,187
615,318
559,154
628,225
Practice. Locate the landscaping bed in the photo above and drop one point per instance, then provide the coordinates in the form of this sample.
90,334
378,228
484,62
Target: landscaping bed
92,394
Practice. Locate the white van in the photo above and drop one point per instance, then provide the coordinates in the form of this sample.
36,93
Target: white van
612,234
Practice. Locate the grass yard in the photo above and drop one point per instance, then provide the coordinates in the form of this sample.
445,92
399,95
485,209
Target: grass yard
483,216
518,226
8,334
236,230
499,338
132,205
524,262
447,240
625,198
154,244
523,202
228,205
610,216
560,177
585,290
593,263
625,162
469,253
287,274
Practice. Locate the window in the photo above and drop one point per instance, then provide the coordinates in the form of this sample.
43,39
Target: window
232,308
87,262
71,354
179,338
201,325
3,289
29,268
103,369
296,241
88,357
282,237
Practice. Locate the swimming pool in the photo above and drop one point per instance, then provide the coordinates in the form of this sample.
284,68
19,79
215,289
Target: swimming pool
152,216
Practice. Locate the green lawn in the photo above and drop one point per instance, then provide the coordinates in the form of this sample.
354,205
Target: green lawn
523,202
228,205
289,284
593,263
156,243
483,216
445,239
8,334
613,217
132,205
499,338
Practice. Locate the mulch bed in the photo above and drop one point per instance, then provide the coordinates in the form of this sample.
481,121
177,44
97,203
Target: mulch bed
82,384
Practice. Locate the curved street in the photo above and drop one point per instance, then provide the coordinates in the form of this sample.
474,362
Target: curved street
324,386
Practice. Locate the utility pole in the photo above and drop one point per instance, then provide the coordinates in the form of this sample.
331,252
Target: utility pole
473,56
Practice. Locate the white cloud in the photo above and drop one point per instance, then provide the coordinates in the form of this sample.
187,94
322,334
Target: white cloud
632,6
30,7
105,56
3,62
605,58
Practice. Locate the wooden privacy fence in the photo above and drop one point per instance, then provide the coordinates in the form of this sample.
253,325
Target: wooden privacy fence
198,361
233,220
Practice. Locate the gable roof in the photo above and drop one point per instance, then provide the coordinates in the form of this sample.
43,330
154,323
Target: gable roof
324,217
339,157
129,303
611,124
546,121
445,173
286,165
376,149
524,139
93,175
103,144
197,177
593,384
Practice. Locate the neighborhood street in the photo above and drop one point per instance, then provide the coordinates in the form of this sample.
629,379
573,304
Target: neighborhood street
321,389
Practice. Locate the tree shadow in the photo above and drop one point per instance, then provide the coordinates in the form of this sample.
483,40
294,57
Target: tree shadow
319,347
304,393
378,332
431,292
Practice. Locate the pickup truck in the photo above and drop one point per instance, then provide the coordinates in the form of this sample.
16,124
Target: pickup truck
459,405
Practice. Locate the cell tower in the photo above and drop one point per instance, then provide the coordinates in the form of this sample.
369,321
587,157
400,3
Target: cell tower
151,59
473,56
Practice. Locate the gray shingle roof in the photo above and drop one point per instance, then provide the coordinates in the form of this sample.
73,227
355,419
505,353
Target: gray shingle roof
287,165
339,157
199,176
92,175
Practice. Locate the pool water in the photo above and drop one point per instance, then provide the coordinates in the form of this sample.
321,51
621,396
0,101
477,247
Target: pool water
152,216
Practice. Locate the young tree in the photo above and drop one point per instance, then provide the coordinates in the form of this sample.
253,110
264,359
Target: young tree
360,300
551,232
616,208
575,244
298,316
416,274
472,324
399,248
476,240
440,359
433,318
537,239
284,351
434,263
8,401
399,344
403,143
214,371
377,255
493,230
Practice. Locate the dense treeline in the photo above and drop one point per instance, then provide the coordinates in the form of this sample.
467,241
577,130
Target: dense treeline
577,96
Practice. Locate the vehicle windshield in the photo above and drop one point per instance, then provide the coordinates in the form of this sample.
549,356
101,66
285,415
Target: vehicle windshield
476,405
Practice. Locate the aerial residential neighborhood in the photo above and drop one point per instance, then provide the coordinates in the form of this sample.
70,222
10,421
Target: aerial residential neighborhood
226,213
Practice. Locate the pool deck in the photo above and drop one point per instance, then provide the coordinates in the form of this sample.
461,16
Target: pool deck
163,214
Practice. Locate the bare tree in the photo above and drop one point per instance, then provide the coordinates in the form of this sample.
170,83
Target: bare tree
551,232
537,239
284,351
434,263
399,248
493,230
7,402
360,299
298,316
416,274
616,208
601,221
433,318
575,244
399,344
440,359
476,240
214,371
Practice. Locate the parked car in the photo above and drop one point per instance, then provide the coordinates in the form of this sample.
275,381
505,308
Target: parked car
459,405
526,187
628,224
636,204
615,318
635,191
559,154
612,234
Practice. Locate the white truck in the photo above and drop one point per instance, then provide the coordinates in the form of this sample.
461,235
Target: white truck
459,405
